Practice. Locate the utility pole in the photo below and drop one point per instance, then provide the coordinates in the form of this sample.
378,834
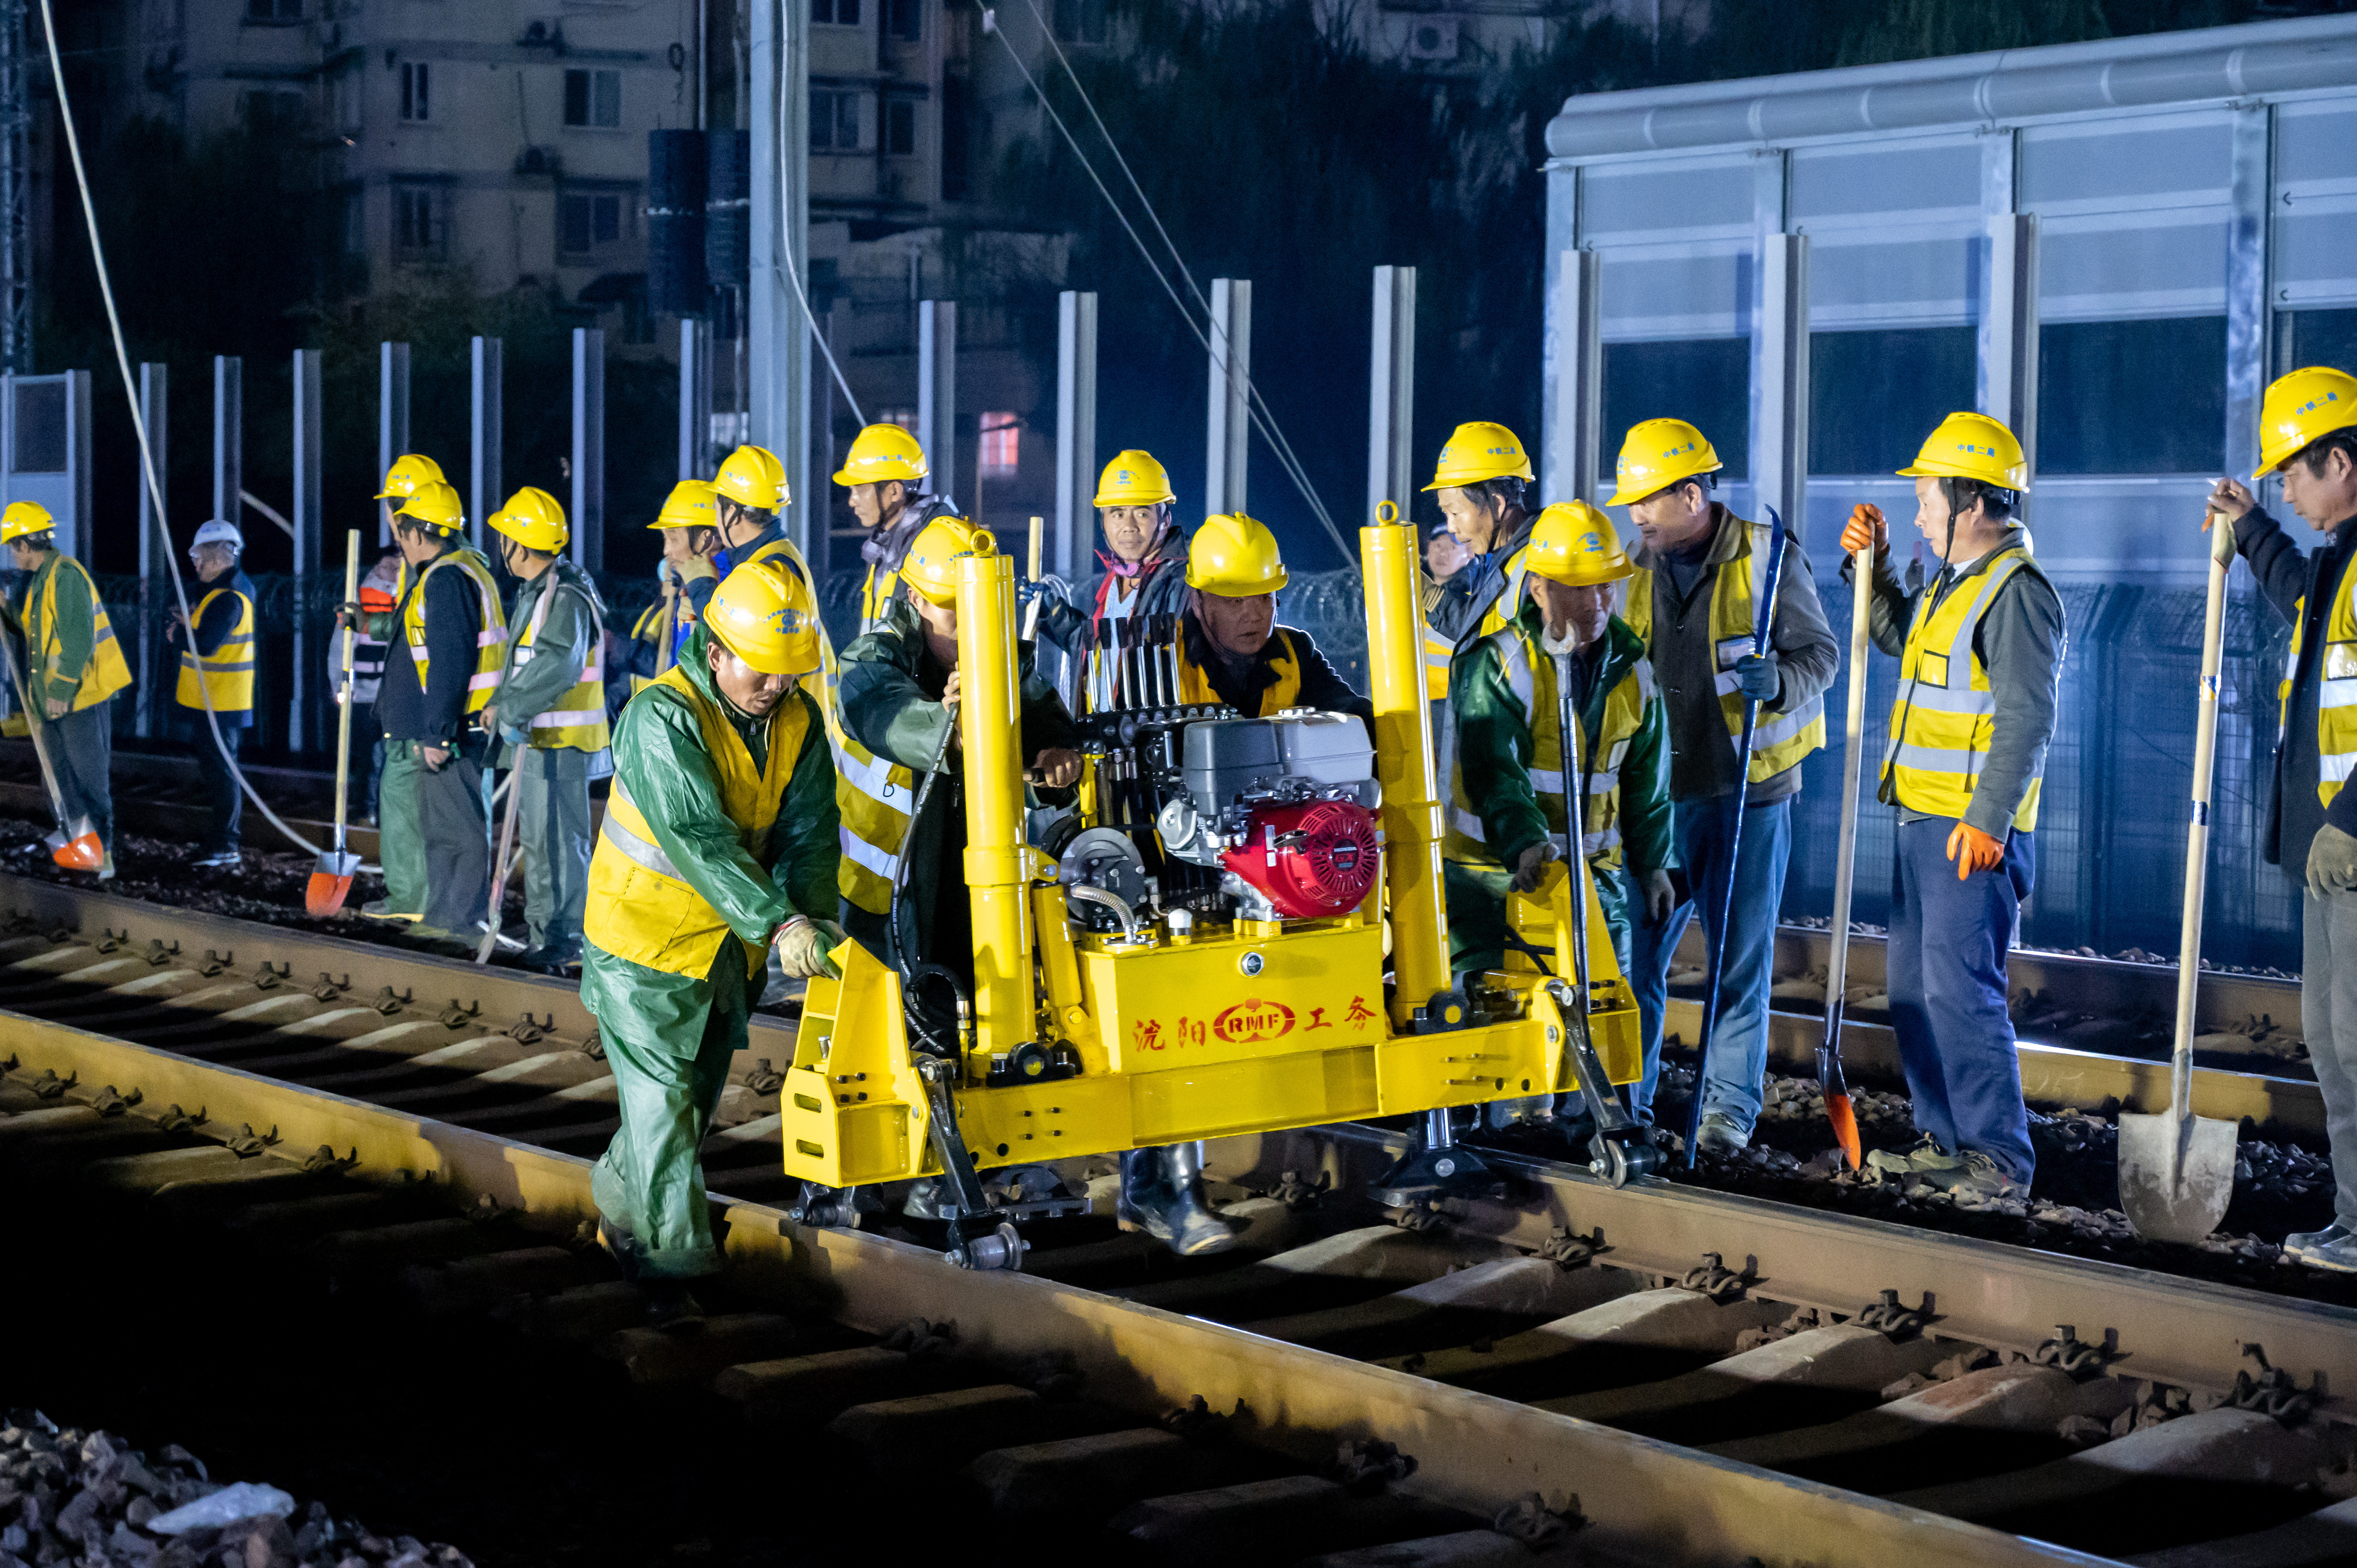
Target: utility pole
15,206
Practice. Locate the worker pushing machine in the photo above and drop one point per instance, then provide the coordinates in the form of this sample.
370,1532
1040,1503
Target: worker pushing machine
434,831
718,845
74,667
548,713
1231,649
2307,435
1145,563
217,673
881,472
1980,655
1701,570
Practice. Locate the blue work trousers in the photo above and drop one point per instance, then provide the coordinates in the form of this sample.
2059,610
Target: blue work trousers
1738,1044
1948,942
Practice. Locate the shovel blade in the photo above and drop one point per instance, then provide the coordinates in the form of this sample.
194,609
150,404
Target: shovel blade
330,884
80,853
2176,1188
1840,1112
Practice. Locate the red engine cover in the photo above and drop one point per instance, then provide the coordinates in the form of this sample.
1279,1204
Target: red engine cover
1310,859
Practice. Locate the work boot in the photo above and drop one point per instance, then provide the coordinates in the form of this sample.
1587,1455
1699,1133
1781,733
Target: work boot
1923,1155
1162,1194
2338,1257
378,909
929,1199
1718,1134
671,1306
2297,1243
1975,1175
619,1245
106,867
218,860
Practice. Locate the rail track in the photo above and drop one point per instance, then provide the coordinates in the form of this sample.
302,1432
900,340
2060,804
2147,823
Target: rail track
1537,1344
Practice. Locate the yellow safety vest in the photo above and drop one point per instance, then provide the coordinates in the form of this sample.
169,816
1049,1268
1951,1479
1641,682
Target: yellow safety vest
2336,697
227,676
874,797
1194,686
640,907
104,673
656,625
577,721
490,636
1779,741
1945,715
1439,653
1530,674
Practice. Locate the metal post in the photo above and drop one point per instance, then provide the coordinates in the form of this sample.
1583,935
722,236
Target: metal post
1573,448
1076,430
309,426
1780,463
392,418
1391,389
2008,388
778,344
229,435
155,591
819,553
16,187
689,361
937,390
589,509
484,416
1229,438
2247,315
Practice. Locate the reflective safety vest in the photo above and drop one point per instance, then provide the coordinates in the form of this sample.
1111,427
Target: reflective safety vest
1945,716
1779,741
577,721
655,626
1530,674
1195,686
227,674
640,907
490,634
2335,694
106,673
1440,652
875,797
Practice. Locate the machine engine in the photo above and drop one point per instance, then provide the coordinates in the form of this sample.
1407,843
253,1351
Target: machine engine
1284,808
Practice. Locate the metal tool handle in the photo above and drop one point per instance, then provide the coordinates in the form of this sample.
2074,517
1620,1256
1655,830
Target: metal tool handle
344,720
1575,816
2197,830
34,723
1853,772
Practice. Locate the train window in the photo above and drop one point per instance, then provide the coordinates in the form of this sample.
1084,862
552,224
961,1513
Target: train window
1706,381
2132,397
1874,395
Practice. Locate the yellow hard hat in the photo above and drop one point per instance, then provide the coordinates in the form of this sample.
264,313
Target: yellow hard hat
1657,453
752,476
1971,447
434,505
691,504
24,519
930,567
2301,407
534,519
409,471
1234,557
1573,543
1134,479
763,614
882,452
1480,450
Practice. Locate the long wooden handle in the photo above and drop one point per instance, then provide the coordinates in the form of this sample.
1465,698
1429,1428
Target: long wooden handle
1853,771
1031,610
2196,827
344,720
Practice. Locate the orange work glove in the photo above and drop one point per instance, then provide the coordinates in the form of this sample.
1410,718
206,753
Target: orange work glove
1864,527
1974,849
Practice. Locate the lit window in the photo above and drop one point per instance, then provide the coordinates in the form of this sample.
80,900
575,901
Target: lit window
834,121
416,87
1000,435
593,99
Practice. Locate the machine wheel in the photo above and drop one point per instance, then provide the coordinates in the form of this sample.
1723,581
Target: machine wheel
1617,1161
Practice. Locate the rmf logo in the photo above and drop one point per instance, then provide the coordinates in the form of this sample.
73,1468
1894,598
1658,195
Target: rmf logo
1251,1021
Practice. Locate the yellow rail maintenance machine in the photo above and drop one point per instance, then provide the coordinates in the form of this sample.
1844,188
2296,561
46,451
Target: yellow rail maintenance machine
1246,987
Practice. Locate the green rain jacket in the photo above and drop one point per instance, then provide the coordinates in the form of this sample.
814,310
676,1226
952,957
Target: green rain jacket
660,758
1494,748
77,628
559,649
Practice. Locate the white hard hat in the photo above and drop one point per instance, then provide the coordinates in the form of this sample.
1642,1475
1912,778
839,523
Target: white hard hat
218,532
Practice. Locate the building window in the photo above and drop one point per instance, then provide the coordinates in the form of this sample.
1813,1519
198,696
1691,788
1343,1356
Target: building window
1001,436
591,220
954,138
1704,379
272,114
834,121
421,221
1866,388
900,128
417,89
593,99
840,12
276,12
1080,21
2089,370
905,19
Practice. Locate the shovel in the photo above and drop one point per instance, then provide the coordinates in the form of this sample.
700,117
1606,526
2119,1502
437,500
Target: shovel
75,845
1838,1110
504,865
331,879
2176,1169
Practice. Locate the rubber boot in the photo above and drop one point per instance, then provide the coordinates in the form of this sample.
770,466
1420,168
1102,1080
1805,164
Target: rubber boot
1162,1194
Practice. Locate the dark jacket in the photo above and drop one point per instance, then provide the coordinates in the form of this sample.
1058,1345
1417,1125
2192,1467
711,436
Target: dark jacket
435,714
1455,609
2286,576
1160,589
1320,686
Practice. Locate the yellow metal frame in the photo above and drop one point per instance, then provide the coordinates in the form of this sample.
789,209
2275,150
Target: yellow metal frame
1247,1028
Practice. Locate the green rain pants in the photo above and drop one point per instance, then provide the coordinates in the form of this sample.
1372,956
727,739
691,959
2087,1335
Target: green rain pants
434,841
1477,915
553,839
669,1039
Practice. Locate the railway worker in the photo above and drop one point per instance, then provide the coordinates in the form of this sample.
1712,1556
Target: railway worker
368,676
748,491
549,710
1482,481
1980,652
1145,561
1699,570
881,472
434,835
688,572
217,673
1231,649
74,667
408,471
1508,813
718,847
2307,433
1445,555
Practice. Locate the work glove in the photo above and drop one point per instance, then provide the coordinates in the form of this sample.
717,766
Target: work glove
1864,527
1974,849
1758,677
2331,861
1052,588
1531,865
1660,896
803,946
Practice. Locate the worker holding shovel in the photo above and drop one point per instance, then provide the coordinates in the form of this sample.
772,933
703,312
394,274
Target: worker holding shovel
72,667
1980,652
